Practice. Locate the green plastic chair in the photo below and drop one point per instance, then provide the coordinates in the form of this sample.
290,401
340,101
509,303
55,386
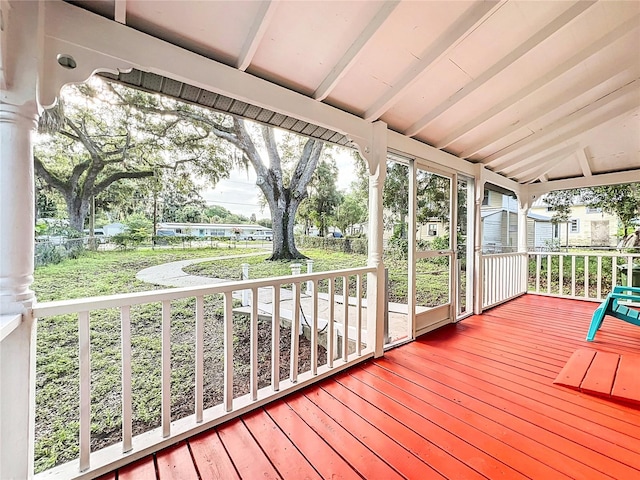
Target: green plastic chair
610,306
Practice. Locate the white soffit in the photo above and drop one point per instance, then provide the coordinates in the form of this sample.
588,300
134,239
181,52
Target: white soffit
508,84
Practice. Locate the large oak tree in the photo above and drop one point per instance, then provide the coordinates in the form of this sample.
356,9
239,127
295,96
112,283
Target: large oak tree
92,140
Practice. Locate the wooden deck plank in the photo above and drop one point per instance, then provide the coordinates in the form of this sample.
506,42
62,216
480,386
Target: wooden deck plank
587,433
446,431
284,456
358,455
143,469
211,458
405,460
324,459
534,434
533,455
246,455
575,369
474,400
627,383
460,357
601,373
175,463
440,460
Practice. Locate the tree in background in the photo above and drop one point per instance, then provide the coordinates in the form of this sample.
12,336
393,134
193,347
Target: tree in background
283,190
320,206
351,211
395,197
93,140
623,201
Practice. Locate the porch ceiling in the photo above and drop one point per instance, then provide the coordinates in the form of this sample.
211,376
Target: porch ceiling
536,91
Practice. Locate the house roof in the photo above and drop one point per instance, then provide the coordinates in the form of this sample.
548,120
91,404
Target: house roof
487,212
535,91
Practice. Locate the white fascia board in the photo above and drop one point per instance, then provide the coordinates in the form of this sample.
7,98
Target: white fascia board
413,148
500,181
77,30
617,178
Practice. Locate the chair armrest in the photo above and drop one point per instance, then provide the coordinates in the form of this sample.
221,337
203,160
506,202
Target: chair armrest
623,296
622,288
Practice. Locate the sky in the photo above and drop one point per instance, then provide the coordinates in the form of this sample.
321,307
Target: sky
239,193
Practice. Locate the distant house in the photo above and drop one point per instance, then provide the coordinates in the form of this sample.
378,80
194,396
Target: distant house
112,229
223,230
499,215
587,227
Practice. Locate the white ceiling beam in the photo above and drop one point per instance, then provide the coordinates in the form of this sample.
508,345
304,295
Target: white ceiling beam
540,170
518,168
541,110
447,42
574,134
583,160
540,36
120,11
496,160
255,34
551,76
617,178
475,16
351,55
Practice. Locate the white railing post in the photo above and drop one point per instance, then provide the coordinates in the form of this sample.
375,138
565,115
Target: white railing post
21,37
309,282
479,286
296,268
245,276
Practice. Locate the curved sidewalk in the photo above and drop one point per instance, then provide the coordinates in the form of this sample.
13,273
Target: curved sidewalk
172,274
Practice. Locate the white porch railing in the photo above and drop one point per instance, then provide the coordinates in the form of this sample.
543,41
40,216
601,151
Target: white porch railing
584,276
131,447
503,277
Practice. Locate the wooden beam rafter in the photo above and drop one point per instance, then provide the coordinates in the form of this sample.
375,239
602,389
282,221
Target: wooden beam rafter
549,77
516,169
444,45
551,131
528,45
255,34
120,11
583,159
353,52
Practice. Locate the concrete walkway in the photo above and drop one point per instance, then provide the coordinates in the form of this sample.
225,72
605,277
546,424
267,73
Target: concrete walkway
172,274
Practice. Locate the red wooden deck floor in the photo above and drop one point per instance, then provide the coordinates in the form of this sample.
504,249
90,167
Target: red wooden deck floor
471,401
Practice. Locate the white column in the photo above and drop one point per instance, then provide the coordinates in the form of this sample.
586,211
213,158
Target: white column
524,204
478,277
376,157
18,119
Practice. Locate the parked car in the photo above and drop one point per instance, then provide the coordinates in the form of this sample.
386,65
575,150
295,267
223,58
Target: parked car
334,235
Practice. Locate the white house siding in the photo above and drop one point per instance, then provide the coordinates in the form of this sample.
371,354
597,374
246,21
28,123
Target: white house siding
543,232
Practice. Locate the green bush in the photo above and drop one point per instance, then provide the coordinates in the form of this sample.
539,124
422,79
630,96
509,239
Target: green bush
346,245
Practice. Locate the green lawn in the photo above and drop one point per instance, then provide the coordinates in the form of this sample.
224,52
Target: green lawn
104,273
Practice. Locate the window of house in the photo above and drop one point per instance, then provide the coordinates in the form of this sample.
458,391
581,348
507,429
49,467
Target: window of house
549,209
432,229
556,230
574,225
485,198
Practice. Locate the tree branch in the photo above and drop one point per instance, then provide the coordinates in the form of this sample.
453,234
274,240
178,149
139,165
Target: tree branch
49,177
98,187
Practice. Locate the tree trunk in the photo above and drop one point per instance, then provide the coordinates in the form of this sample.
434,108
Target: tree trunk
284,247
77,208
